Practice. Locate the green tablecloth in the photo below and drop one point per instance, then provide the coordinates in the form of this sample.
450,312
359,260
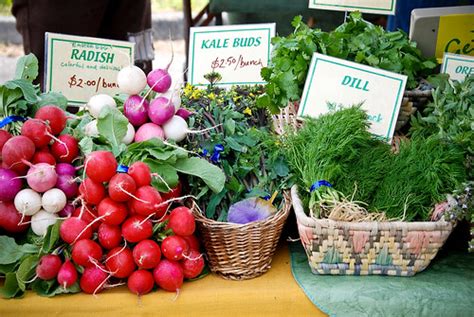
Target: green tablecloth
445,288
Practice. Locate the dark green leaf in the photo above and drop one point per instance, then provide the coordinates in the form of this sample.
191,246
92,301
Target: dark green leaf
210,174
7,268
51,238
51,98
11,252
26,87
26,270
10,288
214,201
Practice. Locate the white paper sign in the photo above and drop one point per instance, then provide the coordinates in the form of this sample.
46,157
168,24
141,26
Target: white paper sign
344,83
236,52
80,67
367,6
457,66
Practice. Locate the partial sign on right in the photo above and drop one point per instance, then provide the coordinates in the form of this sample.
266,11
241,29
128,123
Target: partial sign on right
367,6
457,66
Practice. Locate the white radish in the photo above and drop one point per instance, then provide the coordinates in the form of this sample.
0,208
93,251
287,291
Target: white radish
91,129
131,80
175,129
98,102
54,200
27,202
41,221
128,138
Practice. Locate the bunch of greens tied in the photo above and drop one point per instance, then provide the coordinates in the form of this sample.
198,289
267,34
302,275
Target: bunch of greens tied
365,172
242,145
356,40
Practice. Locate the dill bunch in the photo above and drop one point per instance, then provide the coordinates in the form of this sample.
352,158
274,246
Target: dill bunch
420,175
324,149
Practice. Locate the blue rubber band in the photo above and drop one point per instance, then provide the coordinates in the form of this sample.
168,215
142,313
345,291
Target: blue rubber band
11,119
318,184
122,169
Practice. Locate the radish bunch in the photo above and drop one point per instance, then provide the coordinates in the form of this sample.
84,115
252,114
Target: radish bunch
43,156
161,117
111,234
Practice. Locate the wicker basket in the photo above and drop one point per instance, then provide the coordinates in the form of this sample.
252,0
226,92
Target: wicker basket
239,252
368,248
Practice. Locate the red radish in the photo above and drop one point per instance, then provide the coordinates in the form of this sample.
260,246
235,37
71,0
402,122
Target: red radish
5,135
119,262
140,282
85,252
181,221
48,267
41,177
38,131
173,193
149,202
109,236
28,202
121,187
159,80
93,280
174,248
53,200
135,108
149,131
68,185
17,150
161,110
71,228
92,192
193,264
66,149
65,169
43,157
169,275
137,228
88,215
100,166
131,80
54,116
113,213
147,254
66,211
184,113
140,173
10,185
67,274
193,242
10,218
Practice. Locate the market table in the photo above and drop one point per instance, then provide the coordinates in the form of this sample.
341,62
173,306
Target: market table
273,294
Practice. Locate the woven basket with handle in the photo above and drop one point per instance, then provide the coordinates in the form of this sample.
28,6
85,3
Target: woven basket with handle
242,251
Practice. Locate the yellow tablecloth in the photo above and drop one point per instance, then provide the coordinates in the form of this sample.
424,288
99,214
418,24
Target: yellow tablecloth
273,294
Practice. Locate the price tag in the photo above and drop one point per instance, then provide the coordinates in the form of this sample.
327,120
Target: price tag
80,67
334,82
367,6
457,66
236,52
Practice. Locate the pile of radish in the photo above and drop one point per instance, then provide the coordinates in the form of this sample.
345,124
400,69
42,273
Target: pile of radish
160,118
111,235
43,156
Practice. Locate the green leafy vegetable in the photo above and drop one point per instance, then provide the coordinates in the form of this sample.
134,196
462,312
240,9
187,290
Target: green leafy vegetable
112,125
11,252
210,174
356,40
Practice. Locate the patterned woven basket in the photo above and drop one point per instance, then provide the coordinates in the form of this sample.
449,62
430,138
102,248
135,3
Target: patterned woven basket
239,252
368,248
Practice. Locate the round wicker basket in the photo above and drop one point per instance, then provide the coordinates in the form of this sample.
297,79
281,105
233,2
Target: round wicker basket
242,251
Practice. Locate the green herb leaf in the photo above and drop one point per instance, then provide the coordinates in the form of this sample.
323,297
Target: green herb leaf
51,238
26,270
